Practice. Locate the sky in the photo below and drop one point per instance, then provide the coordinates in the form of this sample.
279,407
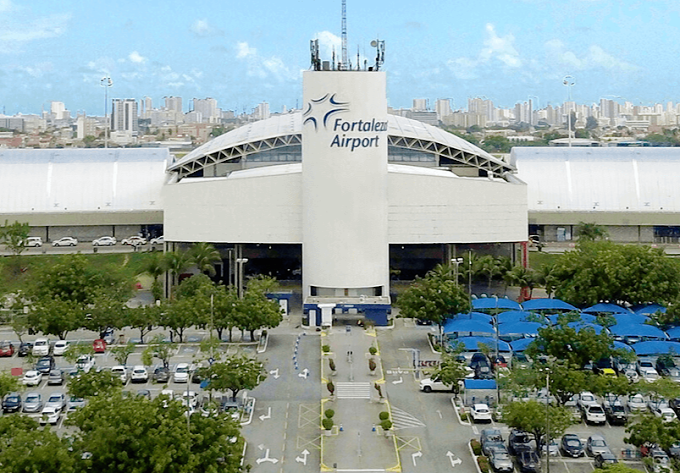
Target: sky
246,52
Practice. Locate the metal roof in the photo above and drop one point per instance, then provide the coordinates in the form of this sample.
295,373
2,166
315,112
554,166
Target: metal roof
600,179
81,180
285,130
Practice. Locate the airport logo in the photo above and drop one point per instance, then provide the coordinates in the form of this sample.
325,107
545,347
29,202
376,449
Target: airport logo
347,134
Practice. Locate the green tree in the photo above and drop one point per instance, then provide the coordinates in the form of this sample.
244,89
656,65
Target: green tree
225,310
158,348
94,383
545,276
121,353
533,416
142,318
488,265
591,232
522,277
235,373
256,311
496,144
650,428
450,371
575,347
177,262
76,350
8,384
436,297
155,266
204,255
14,236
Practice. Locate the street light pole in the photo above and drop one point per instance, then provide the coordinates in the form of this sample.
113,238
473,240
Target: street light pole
456,262
547,420
106,82
568,81
470,272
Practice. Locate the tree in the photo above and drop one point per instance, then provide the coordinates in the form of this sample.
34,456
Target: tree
142,318
256,311
652,429
545,277
158,348
235,373
450,371
121,353
8,384
94,383
522,277
76,350
591,123
591,232
177,261
137,435
436,297
575,347
533,416
155,266
497,144
14,236
204,255
225,309
488,265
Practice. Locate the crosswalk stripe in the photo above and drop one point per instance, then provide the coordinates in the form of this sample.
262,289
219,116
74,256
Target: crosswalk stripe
404,420
353,390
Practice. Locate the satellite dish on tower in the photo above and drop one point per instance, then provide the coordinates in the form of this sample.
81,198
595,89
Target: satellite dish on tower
374,43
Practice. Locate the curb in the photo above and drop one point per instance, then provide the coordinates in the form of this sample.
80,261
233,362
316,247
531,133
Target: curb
260,347
455,409
474,457
251,407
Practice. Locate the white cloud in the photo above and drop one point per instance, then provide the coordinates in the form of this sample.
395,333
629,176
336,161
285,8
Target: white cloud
595,57
495,49
203,29
15,31
137,58
328,42
243,50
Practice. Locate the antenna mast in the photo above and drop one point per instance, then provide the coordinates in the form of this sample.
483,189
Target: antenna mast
344,35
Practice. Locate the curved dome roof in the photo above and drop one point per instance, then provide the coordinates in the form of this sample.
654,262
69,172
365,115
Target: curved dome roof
286,130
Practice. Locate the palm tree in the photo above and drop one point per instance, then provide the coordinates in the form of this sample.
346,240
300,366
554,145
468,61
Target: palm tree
591,232
155,266
204,255
176,262
489,266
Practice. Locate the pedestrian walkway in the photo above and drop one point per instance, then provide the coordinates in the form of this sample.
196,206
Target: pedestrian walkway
351,390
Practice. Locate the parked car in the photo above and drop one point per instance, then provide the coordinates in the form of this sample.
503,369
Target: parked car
489,438
75,403
32,402
6,348
428,385
181,374
675,405
85,363
586,399
60,346
666,413
190,397
616,413
636,403
594,414
25,348
33,241
520,360
133,241
157,241
32,378
649,374
104,241
139,374
596,444
65,241
144,393
45,364
479,359
553,449
571,446
161,375
480,413
517,440
603,459
661,461
122,372
56,400
528,461
49,415
232,407
56,376
674,450
11,403
41,347
500,460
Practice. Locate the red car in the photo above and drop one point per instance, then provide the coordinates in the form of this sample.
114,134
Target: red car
99,346
6,348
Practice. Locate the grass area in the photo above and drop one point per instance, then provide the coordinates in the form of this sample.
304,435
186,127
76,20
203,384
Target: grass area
538,258
11,280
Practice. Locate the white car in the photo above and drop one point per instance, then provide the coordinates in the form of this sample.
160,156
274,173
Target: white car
56,400
60,346
32,378
594,414
49,415
85,363
139,374
41,347
181,374
104,241
33,242
587,399
65,241
480,413
428,385
133,241
636,403
666,413
122,372
157,241
191,396
649,374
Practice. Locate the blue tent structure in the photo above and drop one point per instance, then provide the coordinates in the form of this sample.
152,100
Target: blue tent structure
656,348
471,343
630,319
649,309
468,325
495,303
521,344
583,325
547,304
519,328
480,316
606,308
673,333
514,316
587,318
622,346
638,330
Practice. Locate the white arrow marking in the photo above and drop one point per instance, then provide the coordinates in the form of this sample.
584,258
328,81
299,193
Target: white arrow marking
303,458
454,461
440,413
304,374
414,455
275,373
266,458
400,380
261,446
268,416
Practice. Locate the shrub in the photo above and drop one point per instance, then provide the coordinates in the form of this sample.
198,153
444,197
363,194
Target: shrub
371,364
373,350
326,348
384,415
463,416
327,423
386,424
476,447
331,364
483,463
329,413
331,387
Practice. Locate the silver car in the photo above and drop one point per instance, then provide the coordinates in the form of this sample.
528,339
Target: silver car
596,444
500,460
104,241
33,402
56,400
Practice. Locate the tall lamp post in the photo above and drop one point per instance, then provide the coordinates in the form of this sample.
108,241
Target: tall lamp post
240,262
456,262
569,82
547,419
106,82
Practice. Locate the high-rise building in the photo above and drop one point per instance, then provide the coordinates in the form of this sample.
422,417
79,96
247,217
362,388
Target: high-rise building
419,105
124,115
207,108
262,111
173,103
443,108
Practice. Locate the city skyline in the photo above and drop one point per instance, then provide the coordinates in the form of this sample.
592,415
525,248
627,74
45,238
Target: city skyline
250,53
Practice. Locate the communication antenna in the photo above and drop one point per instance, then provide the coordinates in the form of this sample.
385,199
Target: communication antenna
358,59
344,35
379,46
314,49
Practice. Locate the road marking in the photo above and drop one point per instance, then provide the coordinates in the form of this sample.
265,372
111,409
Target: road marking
268,416
440,413
303,459
304,374
349,390
275,373
399,381
453,459
266,458
414,455
404,420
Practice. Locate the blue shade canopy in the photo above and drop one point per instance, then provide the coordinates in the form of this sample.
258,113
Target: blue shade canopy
586,318
480,383
547,304
622,346
519,328
472,343
494,303
630,319
521,344
649,309
637,330
656,348
583,325
482,317
606,308
513,316
674,333
467,325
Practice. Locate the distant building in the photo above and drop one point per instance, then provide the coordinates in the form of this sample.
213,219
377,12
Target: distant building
443,108
173,103
207,108
124,115
420,105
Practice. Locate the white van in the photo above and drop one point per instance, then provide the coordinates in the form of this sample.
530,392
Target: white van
33,242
